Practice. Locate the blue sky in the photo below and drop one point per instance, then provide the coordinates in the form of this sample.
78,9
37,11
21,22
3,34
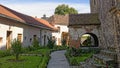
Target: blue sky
41,7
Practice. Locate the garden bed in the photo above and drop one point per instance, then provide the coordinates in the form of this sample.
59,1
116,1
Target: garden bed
30,59
75,56
28,62
75,61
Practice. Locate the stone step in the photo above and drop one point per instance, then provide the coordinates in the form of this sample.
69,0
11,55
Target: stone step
108,53
91,64
111,48
101,59
98,66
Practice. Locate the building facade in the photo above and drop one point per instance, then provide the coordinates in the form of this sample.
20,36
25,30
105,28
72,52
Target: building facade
108,32
60,22
109,15
15,25
80,24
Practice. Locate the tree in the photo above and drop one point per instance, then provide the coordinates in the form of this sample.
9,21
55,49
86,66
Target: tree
51,42
35,43
87,42
16,47
65,9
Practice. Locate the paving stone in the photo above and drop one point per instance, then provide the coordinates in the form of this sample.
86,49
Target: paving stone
58,60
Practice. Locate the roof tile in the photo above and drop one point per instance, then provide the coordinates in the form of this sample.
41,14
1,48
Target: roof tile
84,19
25,18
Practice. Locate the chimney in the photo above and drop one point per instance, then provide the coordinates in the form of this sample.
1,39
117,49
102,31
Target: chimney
35,16
44,16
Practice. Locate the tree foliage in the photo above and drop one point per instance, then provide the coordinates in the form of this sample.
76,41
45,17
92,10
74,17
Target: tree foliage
65,9
35,43
87,42
64,42
16,47
51,42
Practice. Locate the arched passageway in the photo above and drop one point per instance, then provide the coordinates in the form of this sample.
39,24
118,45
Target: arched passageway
89,40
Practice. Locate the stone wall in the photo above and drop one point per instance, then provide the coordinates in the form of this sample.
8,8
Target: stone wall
107,21
109,16
76,33
94,4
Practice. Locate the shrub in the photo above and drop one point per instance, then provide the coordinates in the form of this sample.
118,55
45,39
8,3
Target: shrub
35,44
75,56
5,53
30,48
87,42
63,42
74,51
94,50
27,49
73,61
51,43
60,47
16,47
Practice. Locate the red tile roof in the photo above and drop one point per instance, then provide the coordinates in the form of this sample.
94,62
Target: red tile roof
25,18
45,23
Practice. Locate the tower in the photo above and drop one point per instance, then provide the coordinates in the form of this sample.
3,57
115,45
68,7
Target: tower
94,6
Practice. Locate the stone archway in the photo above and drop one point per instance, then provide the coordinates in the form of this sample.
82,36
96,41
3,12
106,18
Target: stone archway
91,40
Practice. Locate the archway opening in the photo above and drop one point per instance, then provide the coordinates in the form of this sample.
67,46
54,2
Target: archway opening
89,40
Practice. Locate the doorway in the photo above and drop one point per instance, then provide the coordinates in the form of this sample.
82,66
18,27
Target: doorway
8,40
44,40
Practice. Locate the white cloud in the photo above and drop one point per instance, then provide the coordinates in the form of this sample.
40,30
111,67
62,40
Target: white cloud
38,9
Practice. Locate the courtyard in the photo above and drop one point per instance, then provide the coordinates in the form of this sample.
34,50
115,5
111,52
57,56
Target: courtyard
60,34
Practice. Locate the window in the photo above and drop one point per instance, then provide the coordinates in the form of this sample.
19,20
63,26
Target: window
19,37
30,39
34,37
44,39
25,38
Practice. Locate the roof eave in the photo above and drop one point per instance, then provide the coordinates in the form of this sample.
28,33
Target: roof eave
70,25
5,16
23,22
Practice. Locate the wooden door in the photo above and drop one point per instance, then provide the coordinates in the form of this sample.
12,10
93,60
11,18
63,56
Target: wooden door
8,41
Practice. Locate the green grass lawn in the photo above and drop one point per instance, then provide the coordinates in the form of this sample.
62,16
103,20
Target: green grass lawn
40,51
27,62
